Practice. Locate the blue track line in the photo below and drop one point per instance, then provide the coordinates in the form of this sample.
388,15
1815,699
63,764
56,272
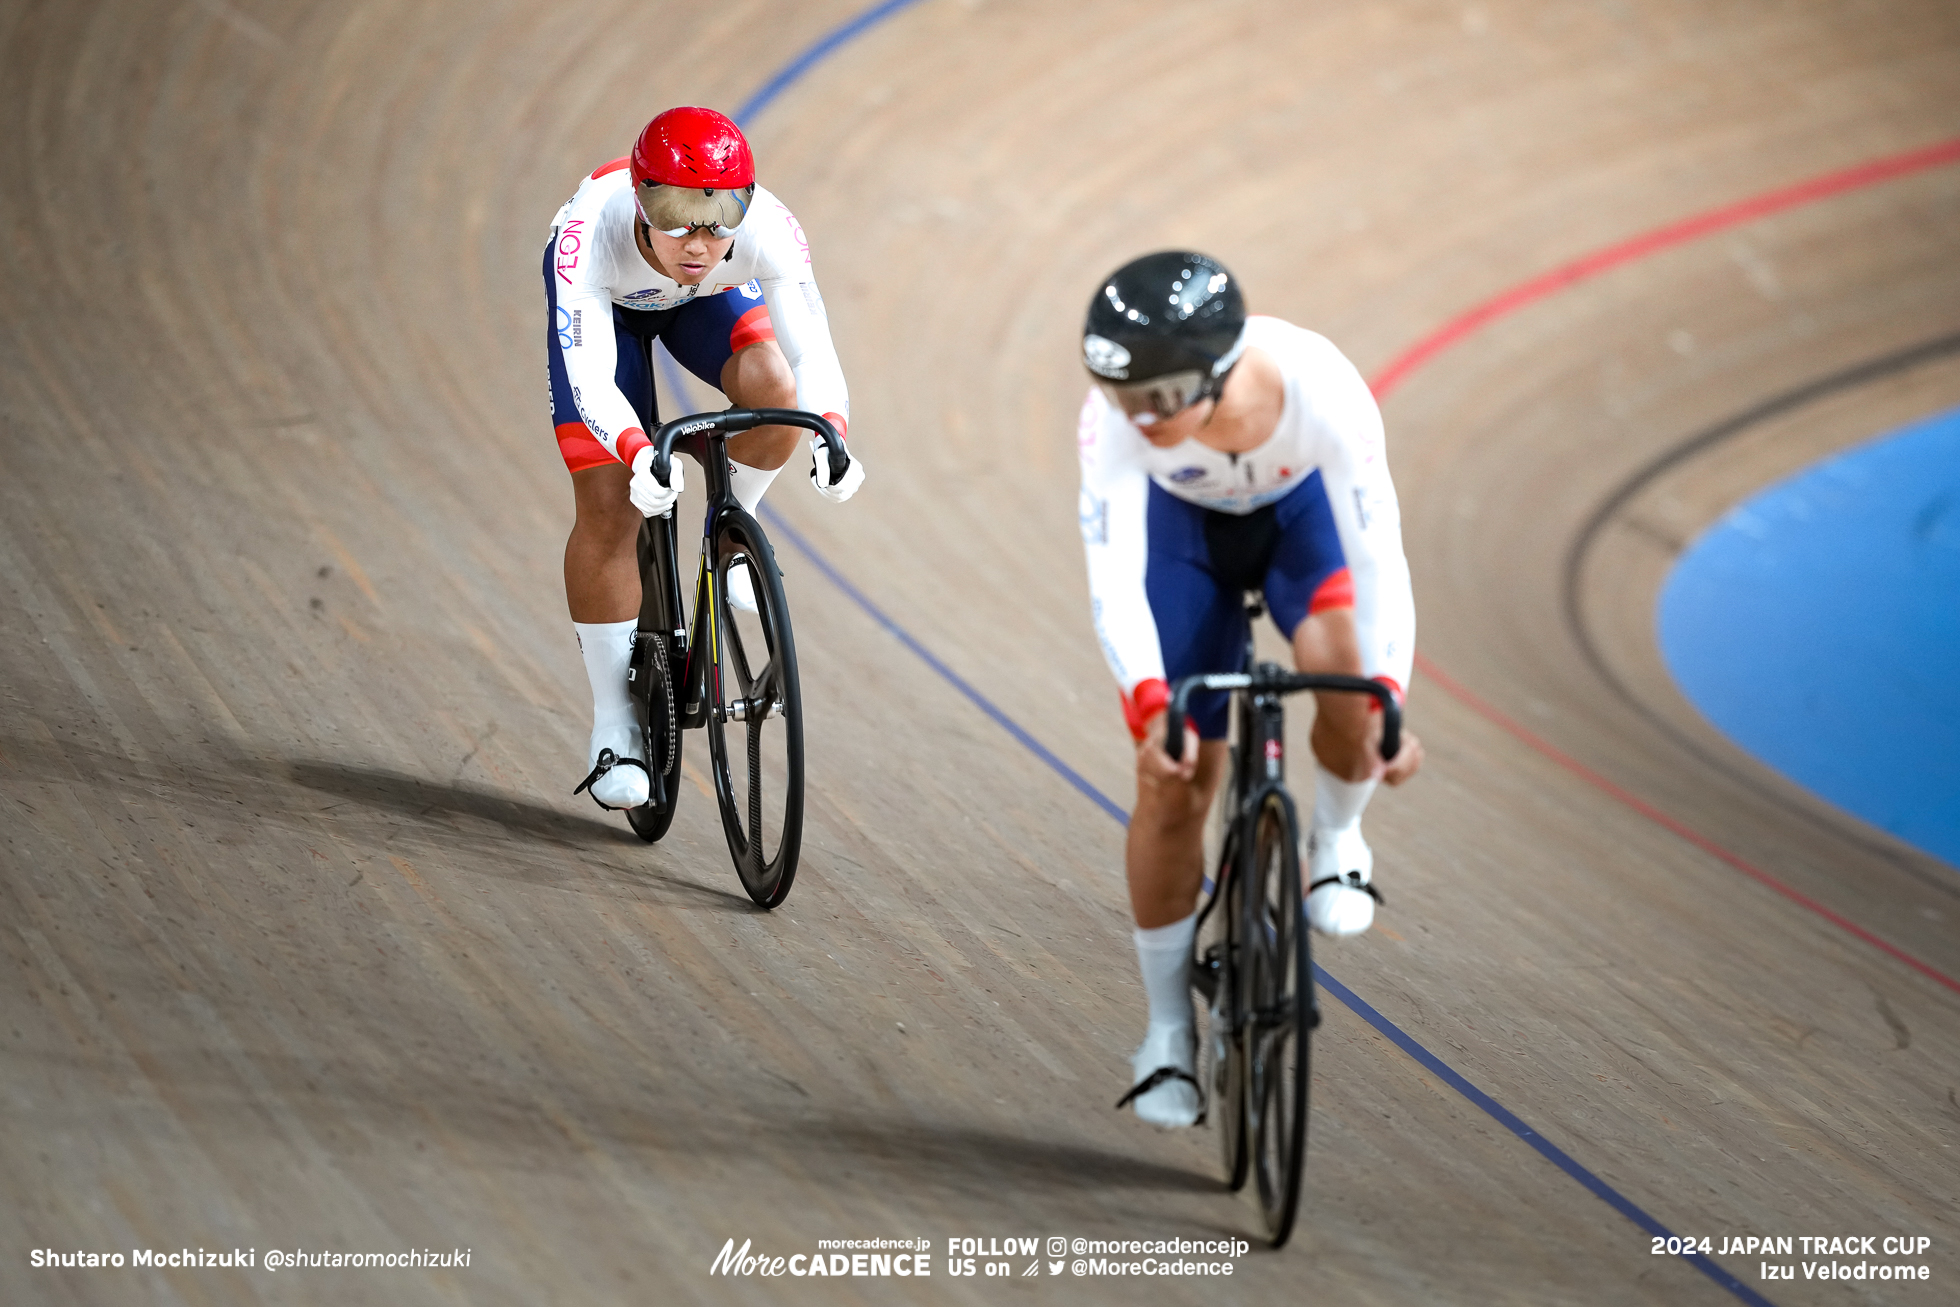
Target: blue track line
816,54
776,523
1509,1120
1395,1034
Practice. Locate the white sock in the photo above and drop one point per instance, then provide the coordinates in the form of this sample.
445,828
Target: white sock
750,483
608,648
1338,804
1164,956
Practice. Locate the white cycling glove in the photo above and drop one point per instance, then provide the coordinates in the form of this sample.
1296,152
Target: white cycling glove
845,486
647,494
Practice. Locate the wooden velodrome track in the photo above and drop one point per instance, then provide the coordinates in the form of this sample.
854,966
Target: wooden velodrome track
306,944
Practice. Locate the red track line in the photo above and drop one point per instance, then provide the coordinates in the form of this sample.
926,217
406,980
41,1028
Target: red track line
1678,233
1456,691
1591,265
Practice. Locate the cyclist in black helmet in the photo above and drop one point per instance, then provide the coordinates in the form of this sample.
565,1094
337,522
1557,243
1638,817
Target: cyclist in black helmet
1223,453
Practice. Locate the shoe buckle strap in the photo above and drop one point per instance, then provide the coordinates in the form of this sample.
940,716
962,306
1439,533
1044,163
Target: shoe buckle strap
607,761
1350,881
1158,1077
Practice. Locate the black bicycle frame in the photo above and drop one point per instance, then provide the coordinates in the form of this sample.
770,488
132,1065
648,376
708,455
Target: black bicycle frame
704,436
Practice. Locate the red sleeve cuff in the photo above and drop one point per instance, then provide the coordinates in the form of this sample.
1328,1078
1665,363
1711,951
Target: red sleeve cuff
837,420
1144,702
631,441
1394,688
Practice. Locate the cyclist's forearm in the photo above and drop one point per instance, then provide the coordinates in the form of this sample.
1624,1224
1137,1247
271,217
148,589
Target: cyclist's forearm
1385,618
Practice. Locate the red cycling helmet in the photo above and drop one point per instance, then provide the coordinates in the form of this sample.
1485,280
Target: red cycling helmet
692,169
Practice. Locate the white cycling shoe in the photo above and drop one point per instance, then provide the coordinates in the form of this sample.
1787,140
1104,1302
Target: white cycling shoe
618,778
1340,901
741,590
1166,1090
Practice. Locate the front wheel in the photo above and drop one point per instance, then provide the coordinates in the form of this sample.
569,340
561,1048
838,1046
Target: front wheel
755,714
1276,982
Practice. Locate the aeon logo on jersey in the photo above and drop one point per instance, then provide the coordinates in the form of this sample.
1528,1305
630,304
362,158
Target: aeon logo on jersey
796,232
570,242
1105,357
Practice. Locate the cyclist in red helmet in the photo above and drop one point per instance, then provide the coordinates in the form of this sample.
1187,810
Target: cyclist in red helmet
675,242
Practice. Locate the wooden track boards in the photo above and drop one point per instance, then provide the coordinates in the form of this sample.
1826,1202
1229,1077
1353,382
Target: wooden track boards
306,944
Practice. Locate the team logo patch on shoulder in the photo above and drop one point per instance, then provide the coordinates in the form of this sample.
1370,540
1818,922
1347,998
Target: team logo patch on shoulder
1105,357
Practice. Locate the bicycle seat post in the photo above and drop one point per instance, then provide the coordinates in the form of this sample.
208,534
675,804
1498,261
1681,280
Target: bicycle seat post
1255,608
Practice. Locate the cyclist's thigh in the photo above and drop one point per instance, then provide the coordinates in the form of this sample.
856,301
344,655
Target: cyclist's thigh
576,443
705,333
1200,623
1308,571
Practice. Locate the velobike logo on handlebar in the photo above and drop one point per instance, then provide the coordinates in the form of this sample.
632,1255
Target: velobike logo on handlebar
692,427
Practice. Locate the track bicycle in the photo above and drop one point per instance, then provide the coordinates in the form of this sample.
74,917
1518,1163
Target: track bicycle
1253,966
734,672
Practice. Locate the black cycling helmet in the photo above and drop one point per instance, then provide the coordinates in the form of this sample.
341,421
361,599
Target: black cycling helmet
1163,332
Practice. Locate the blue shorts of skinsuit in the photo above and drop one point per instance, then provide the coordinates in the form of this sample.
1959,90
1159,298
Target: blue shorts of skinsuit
1201,563
702,335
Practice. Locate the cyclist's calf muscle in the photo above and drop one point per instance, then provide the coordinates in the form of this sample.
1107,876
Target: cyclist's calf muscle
602,570
1164,854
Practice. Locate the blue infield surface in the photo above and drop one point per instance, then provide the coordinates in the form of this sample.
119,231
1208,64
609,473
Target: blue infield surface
1817,625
